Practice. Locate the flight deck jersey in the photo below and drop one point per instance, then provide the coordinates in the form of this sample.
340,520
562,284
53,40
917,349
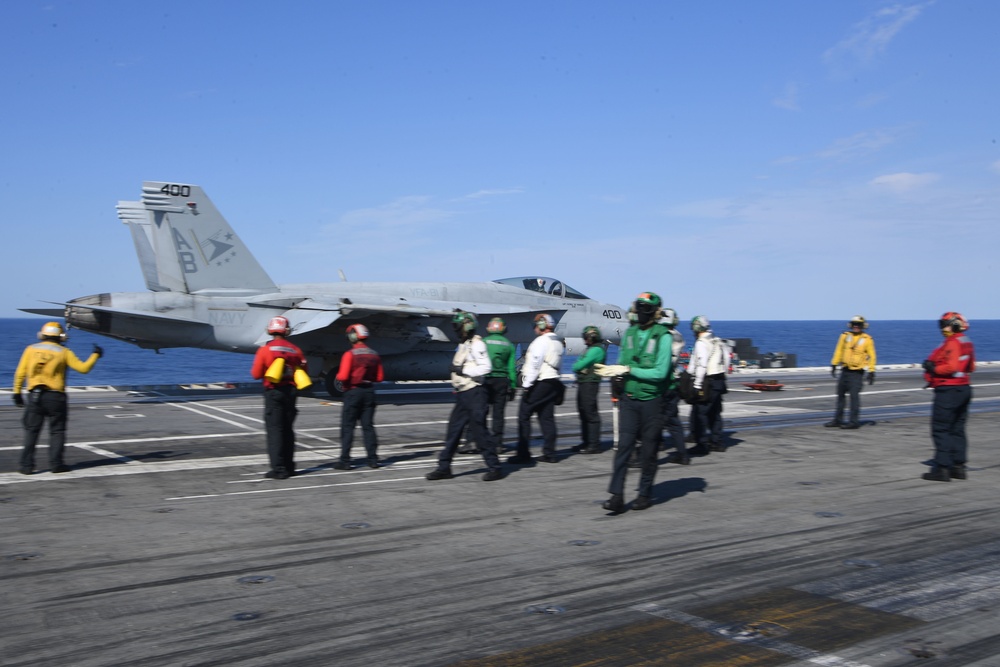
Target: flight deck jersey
855,351
584,365
271,350
954,360
360,367
44,365
648,360
502,357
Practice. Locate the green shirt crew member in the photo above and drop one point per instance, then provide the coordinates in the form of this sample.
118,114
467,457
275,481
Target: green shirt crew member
645,363
588,385
500,381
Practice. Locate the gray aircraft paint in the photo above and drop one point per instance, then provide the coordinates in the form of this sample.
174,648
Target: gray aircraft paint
206,290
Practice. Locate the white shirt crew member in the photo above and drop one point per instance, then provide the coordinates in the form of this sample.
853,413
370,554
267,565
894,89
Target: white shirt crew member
474,361
543,359
709,357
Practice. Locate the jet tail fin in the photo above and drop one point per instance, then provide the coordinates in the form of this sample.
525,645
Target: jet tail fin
185,245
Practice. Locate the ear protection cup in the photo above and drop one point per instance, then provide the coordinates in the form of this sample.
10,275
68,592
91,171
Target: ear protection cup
357,332
544,322
464,323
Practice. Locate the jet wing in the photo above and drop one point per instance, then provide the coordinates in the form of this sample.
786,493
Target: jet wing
313,314
45,312
415,308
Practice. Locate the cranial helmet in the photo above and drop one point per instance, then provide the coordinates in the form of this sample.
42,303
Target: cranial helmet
700,323
591,335
278,326
357,332
52,330
646,307
496,326
544,322
464,323
953,321
670,318
858,321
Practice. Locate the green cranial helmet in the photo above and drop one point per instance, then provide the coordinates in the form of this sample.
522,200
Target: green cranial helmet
700,323
646,307
464,322
591,335
649,298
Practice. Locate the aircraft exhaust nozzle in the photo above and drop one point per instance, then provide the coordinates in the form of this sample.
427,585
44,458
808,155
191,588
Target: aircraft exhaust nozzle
275,370
79,316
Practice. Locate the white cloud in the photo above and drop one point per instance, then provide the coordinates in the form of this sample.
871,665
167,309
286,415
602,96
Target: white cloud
479,194
860,144
903,181
871,36
403,212
789,98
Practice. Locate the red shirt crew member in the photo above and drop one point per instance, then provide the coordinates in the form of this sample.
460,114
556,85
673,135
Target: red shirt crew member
947,370
279,396
360,368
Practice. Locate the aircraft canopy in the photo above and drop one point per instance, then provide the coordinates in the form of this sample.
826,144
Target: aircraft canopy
543,285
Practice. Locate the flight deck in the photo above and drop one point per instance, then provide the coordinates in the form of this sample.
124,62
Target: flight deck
799,545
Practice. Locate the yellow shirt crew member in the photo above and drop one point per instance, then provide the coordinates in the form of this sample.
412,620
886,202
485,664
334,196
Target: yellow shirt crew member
42,371
44,365
856,351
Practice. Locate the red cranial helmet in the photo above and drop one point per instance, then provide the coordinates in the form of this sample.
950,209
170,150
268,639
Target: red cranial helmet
278,325
953,321
357,332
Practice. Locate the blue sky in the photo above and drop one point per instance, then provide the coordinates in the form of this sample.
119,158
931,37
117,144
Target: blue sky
746,160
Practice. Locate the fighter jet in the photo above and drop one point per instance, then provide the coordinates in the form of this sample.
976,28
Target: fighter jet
207,291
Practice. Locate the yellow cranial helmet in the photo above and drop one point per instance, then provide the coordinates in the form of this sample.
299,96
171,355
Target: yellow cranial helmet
52,330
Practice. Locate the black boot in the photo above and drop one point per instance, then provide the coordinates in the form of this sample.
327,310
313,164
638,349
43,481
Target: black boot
937,475
615,503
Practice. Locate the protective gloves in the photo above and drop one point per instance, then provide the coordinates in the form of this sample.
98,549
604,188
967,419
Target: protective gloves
833,371
99,351
511,393
18,400
928,366
610,371
457,369
871,377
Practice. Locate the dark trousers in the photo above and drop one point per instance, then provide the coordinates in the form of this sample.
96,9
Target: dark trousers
496,402
706,418
672,420
279,417
539,399
637,420
849,383
469,410
39,406
359,405
590,416
948,417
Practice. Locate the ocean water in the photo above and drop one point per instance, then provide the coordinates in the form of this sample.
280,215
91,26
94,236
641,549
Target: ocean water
896,342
